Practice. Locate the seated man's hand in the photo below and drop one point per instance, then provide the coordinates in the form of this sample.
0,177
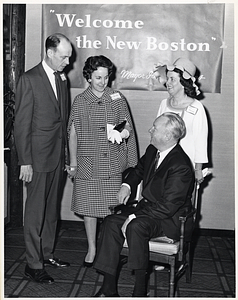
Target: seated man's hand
124,194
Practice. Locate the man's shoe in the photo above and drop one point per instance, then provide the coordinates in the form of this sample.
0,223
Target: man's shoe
38,275
101,294
56,263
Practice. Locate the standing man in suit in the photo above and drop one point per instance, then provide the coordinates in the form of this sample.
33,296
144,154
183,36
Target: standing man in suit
41,114
167,188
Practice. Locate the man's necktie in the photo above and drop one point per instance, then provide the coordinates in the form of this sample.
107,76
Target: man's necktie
58,83
156,161
60,96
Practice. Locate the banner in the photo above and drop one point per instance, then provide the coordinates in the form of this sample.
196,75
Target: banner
135,37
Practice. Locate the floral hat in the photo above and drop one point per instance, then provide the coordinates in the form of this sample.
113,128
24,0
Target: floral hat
185,65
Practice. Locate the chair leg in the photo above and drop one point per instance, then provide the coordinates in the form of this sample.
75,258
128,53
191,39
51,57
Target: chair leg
171,279
189,267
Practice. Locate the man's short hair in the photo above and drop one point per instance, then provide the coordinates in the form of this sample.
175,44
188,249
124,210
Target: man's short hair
53,41
175,125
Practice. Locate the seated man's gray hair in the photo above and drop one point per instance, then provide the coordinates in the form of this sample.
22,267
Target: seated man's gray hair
175,125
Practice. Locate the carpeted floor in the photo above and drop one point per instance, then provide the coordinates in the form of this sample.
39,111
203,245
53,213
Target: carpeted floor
213,269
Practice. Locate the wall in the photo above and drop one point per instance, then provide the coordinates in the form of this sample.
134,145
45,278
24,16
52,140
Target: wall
217,196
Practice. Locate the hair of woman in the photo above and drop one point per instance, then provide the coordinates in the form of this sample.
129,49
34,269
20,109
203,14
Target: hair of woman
94,62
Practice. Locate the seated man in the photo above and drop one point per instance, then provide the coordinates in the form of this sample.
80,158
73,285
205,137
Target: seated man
167,190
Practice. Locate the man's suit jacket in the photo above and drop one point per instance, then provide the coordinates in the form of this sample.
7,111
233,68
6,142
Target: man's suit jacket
39,127
167,191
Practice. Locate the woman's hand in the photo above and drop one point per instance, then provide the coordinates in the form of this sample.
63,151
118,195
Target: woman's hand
71,170
198,173
199,176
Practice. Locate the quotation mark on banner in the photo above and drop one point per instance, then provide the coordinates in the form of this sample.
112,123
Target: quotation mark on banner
224,46
52,11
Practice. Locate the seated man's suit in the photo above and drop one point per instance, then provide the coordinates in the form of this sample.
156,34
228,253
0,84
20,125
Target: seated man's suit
166,196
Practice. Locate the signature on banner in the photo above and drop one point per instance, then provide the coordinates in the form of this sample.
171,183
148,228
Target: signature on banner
130,75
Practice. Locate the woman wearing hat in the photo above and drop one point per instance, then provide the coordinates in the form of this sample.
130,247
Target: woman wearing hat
183,91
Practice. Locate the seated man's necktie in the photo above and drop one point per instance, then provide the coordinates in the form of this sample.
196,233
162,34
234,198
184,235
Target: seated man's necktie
156,160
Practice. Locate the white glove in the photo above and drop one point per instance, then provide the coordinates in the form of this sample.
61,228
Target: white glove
125,134
109,129
114,135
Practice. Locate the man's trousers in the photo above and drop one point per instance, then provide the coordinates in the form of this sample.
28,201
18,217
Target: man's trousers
139,231
41,216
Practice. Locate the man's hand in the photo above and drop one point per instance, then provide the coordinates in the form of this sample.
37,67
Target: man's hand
123,194
26,173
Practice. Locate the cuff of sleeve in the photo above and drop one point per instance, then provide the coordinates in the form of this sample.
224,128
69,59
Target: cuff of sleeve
131,217
125,184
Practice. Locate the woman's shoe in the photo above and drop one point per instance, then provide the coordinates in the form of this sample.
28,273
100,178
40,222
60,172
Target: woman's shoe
87,264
